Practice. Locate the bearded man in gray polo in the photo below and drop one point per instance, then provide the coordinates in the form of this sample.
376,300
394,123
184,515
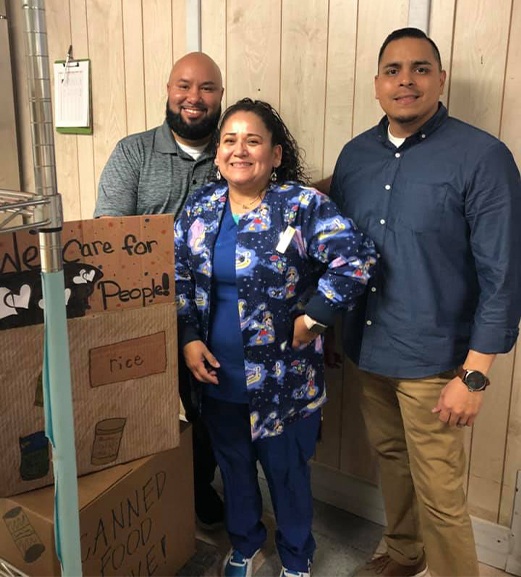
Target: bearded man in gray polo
154,172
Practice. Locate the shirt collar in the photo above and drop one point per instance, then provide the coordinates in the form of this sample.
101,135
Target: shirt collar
424,132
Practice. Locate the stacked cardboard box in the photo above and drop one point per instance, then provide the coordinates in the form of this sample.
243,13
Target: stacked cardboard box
136,519
123,351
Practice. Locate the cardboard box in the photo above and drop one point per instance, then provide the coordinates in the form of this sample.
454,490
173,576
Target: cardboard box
124,365
124,389
136,519
109,264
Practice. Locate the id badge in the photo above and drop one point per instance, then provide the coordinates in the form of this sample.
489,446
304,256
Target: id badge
285,239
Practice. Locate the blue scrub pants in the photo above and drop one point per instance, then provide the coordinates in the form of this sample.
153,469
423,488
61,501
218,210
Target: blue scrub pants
284,459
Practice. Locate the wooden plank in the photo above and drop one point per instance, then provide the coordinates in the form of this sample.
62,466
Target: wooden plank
303,76
179,29
375,22
158,51
134,66
479,58
348,493
59,38
488,443
340,80
254,69
105,29
441,30
493,544
513,564
510,121
84,143
512,464
213,36
511,135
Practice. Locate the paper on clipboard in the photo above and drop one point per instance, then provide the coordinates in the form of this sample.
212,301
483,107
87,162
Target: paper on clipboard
71,94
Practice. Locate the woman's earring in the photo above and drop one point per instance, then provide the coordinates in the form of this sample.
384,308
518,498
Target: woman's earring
273,176
218,174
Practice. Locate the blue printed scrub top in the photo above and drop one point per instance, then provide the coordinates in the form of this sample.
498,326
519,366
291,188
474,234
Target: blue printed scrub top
323,269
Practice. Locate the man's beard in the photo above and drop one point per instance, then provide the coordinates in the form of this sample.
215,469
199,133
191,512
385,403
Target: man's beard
406,119
197,131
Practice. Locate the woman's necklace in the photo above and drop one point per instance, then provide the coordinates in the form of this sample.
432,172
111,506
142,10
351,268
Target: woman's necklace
248,205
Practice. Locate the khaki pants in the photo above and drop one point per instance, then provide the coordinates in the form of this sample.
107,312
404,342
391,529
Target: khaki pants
422,466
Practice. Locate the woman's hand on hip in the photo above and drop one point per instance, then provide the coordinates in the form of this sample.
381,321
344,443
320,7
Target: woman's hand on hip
301,334
201,362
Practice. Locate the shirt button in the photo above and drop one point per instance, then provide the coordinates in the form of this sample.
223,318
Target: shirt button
387,187
397,155
368,323
373,289
423,135
382,221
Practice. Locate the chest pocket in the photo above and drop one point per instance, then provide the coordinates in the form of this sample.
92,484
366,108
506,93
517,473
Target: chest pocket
419,207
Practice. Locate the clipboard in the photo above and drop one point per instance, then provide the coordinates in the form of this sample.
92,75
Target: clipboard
72,95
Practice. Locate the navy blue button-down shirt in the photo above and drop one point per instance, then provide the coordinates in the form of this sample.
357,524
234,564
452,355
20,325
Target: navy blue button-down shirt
444,210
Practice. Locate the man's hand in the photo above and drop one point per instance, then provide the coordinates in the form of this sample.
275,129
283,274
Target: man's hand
201,362
457,406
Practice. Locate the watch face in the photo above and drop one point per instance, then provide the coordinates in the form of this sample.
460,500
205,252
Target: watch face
476,381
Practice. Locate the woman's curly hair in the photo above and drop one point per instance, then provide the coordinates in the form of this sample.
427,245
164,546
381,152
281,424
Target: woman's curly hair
292,166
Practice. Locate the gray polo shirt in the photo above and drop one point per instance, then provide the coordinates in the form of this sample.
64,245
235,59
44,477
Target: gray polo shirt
147,173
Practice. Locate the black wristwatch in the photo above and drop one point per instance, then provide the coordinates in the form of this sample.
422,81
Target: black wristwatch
475,380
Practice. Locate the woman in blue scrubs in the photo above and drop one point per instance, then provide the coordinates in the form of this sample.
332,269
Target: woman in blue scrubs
263,265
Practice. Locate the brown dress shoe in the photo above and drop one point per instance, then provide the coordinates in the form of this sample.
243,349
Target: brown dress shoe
385,566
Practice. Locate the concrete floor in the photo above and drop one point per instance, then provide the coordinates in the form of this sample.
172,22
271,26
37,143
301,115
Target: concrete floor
344,542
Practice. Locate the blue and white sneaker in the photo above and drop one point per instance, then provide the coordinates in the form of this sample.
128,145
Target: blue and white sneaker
237,565
288,573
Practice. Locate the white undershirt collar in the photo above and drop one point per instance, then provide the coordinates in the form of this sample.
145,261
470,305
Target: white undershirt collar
394,139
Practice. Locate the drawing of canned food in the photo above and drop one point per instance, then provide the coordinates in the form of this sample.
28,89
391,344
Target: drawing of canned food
23,534
34,456
107,440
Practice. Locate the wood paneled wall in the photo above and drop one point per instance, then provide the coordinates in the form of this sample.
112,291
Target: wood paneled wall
315,61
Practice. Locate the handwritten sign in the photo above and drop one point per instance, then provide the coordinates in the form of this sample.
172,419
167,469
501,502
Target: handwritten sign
129,359
124,536
109,264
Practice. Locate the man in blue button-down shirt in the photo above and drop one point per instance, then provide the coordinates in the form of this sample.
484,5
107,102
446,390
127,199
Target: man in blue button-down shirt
442,201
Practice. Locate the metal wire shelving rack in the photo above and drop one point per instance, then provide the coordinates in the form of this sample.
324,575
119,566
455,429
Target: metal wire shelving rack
43,212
